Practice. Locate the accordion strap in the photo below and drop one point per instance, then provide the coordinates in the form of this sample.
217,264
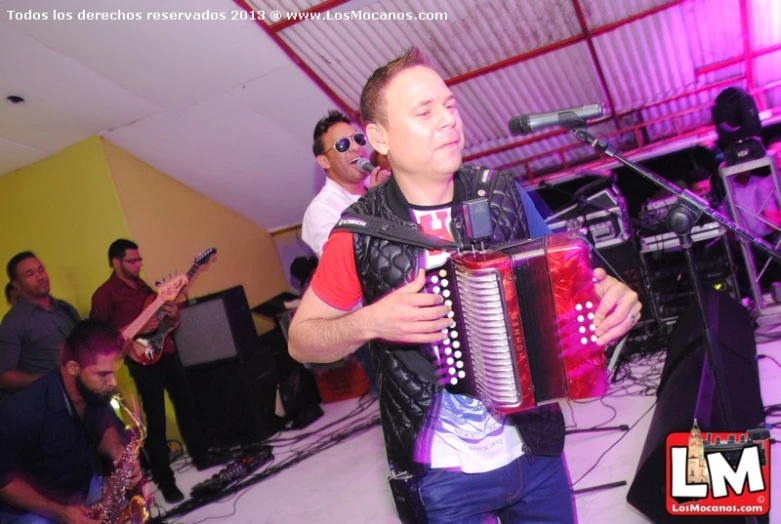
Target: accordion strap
381,228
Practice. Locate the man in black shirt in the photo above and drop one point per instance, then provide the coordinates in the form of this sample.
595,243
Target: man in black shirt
53,432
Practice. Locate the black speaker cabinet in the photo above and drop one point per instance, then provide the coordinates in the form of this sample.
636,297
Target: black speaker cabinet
687,391
232,376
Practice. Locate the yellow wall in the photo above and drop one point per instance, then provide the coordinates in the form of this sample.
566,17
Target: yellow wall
64,209
172,223
71,206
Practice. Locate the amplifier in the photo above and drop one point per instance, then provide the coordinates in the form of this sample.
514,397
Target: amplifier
604,218
669,241
668,270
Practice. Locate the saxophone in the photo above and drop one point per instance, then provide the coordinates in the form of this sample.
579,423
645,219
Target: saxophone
112,508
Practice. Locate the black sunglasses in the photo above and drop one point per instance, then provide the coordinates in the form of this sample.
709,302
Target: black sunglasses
343,144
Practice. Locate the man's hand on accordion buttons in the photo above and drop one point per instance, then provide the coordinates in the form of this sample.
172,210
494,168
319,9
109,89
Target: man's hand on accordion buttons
619,308
406,315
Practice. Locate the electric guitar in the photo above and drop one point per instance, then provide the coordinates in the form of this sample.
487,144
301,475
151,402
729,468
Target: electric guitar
148,348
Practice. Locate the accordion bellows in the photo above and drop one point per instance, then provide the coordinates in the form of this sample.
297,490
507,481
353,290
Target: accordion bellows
524,332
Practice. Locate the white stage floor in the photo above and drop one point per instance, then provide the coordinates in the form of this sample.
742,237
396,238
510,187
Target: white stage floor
347,483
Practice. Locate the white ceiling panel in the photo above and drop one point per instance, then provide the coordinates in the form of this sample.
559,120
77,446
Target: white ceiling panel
228,152
66,101
170,63
15,156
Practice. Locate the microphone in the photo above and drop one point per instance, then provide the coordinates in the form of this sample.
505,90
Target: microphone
365,165
525,124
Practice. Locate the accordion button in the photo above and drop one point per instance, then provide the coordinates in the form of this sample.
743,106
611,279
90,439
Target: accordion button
451,315
461,374
444,282
446,293
454,334
589,305
593,338
452,371
446,342
582,329
434,279
591,316
456,344
459,364
449,303
442,273
581,318
579,307
454,380
448,351
436,290
584,340
450,361
457,354
592,327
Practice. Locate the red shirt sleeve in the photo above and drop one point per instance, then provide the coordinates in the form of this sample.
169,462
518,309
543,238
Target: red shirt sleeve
336,280
101,305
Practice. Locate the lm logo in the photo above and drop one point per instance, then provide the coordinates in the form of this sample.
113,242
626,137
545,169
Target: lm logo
718,473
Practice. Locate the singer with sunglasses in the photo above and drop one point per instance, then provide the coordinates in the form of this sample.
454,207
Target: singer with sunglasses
340,149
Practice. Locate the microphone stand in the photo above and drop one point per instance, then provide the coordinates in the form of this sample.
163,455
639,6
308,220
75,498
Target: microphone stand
680,220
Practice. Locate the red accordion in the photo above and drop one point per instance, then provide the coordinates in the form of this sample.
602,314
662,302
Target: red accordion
524,332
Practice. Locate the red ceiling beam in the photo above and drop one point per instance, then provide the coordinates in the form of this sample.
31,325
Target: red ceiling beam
628,129
595,59
299,62
559,132
518,143
602,161
319,8
706,87
735,60
523,57
745,25
517,59
716,66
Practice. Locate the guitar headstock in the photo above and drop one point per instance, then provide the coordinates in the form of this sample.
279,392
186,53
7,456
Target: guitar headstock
169,289
204,257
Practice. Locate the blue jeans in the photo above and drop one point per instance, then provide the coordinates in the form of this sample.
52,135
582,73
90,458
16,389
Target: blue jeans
527,491
10,515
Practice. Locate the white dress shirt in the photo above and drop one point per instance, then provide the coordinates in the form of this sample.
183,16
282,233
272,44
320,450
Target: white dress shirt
323,213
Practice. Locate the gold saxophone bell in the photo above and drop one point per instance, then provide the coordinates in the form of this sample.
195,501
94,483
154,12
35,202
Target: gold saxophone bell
136,512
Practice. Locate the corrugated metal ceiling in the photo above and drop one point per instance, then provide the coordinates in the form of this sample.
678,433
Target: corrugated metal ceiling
662,61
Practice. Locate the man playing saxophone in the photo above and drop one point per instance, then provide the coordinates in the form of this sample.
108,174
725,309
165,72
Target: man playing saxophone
54,432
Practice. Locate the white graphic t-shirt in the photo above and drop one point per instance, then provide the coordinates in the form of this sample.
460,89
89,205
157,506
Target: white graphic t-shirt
466,435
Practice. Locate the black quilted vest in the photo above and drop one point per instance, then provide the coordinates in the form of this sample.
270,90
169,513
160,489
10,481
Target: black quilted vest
406,382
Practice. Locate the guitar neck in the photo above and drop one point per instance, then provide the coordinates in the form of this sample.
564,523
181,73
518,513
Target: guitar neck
193,270
134,328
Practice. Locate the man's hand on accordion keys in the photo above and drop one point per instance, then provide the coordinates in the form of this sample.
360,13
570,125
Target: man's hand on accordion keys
406,315
619,308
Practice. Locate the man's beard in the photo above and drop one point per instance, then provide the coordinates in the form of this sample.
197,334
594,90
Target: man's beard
98,400
127,274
